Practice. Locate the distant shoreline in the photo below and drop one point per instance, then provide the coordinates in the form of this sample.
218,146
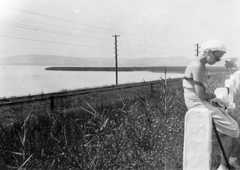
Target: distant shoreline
179,69
169,69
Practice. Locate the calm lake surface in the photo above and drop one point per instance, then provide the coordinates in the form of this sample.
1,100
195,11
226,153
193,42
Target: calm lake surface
30,80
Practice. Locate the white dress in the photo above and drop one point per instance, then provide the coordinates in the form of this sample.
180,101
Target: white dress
225,124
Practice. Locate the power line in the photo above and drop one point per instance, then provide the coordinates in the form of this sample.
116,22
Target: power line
73,22
150,52
64,33
25,26
53,42
37,28
61,43
148,45
56,18
46,30
151,39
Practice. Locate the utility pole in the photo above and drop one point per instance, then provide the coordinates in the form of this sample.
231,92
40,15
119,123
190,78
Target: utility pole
116,58
197,50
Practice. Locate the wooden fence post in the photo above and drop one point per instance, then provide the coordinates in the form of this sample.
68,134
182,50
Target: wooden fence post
52,102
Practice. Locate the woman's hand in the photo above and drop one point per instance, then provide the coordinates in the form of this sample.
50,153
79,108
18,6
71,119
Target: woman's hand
214,95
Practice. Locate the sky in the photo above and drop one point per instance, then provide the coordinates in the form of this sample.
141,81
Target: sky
144,28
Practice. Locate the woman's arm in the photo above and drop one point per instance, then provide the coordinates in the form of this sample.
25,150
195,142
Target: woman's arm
199,75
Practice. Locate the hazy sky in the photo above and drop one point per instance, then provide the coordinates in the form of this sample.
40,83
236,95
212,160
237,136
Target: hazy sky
146,28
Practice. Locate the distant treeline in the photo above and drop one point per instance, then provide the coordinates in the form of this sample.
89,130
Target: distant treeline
178,69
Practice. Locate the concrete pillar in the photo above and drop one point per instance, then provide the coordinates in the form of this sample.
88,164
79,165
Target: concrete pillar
197,139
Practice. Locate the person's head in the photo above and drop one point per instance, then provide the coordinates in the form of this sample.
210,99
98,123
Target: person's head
213,50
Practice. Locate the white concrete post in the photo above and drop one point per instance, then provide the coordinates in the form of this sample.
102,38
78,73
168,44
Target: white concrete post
221,93
237,74
229,85
197,139
234,83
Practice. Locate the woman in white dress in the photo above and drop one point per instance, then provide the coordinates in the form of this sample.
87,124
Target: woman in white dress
195,95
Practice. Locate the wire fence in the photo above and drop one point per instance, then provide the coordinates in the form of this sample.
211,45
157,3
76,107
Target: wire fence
53,96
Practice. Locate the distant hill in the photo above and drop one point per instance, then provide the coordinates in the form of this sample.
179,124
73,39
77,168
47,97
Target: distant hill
53,60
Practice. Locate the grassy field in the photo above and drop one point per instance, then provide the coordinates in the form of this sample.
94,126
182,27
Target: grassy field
137,128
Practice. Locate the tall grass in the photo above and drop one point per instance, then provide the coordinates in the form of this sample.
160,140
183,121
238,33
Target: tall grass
145,132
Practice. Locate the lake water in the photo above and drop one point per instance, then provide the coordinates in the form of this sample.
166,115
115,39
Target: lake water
30,80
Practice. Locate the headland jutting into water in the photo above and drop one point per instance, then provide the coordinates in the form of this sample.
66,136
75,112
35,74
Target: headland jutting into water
168,69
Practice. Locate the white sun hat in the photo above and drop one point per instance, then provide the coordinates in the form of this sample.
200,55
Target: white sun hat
213,45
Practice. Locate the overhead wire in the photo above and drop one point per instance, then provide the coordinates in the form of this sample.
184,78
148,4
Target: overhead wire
54,42
70,34
74,22
139,43
149,46
56,18
147,52
37,28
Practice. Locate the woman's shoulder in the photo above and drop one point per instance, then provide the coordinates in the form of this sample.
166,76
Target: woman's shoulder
195,65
